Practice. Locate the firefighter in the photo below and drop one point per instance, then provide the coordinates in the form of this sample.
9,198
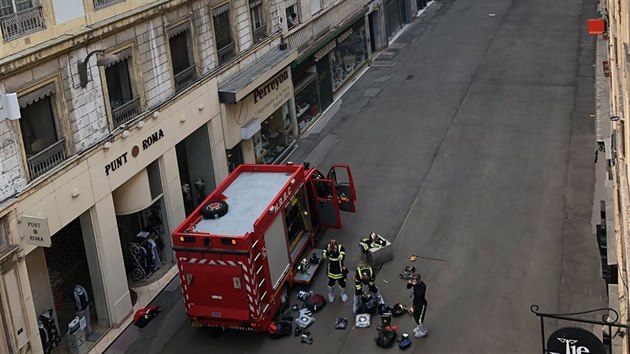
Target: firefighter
365,275
371,241
335,253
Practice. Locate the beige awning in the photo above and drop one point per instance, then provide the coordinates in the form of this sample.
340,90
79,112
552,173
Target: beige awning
134,195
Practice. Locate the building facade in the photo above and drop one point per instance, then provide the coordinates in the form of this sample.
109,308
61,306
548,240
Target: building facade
118,117
613,106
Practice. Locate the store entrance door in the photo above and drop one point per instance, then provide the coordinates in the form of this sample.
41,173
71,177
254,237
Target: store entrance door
66,283
393,18
324,80
196,174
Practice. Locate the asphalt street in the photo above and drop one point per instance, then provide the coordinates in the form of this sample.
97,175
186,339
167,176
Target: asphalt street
471,142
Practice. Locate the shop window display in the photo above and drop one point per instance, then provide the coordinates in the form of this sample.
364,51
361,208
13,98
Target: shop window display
274,137
307,105
348,56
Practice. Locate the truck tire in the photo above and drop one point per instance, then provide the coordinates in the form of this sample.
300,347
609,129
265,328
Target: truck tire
214,209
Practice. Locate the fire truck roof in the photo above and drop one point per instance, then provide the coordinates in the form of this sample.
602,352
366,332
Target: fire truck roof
247,196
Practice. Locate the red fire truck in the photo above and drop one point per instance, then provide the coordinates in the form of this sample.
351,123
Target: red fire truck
240,250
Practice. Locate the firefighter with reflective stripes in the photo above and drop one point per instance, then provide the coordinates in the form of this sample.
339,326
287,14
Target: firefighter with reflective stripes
365,275
335,253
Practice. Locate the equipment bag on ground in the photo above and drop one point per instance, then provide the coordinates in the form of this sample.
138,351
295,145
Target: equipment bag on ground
386,338
315,302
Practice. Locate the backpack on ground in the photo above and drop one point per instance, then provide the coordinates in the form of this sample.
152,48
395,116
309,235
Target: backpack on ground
404,344
386,338
315,302
368,305
398,310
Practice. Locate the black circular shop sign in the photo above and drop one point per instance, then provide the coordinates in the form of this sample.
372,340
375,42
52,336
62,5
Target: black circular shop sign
571,340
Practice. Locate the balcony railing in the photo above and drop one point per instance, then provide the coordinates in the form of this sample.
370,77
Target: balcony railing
22,23
185,77
260,34
126,111
99,4
46,160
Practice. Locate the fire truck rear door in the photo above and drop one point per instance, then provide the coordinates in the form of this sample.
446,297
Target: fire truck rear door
344,185
327,203
216,289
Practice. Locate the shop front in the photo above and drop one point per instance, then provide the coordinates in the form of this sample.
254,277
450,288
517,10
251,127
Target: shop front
67,285
326,66
396,15
259,125
93,236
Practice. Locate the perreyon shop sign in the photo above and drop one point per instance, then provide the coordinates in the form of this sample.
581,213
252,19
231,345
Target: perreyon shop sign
34,231
573,340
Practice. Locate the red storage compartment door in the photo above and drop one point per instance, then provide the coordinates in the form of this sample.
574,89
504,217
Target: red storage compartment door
216,289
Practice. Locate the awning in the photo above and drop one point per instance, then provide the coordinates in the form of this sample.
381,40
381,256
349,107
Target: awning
331,35
134,195
122,55
178,29
237,87
36,95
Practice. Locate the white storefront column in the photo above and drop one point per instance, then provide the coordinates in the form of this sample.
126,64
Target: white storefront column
172,188
111,260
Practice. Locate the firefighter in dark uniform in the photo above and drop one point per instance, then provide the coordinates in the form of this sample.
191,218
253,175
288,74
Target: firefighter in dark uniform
365,275
335,253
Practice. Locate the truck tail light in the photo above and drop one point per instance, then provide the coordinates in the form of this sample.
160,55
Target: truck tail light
187,238
228,241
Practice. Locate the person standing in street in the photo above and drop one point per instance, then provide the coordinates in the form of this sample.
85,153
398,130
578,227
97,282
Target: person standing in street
419,308
335,253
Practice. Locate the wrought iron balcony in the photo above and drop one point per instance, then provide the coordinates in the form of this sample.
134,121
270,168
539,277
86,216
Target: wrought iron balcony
22,23
185,77
99,4
260,33
46,160
126,111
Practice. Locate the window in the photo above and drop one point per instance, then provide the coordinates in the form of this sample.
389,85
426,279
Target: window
292,16
316,6
8,7
259,29
223,33
4,236
181,57
124,104
19,18
43,145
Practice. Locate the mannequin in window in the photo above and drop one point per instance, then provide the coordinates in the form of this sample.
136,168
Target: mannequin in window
82,308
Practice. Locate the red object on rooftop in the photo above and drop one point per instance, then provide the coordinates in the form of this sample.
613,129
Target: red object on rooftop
596,26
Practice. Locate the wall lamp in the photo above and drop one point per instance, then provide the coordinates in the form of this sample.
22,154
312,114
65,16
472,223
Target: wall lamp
616,118
103,60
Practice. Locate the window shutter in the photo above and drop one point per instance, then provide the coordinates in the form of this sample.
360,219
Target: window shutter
222,30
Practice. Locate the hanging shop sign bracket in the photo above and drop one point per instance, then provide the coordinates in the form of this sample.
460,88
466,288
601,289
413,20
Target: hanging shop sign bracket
34,231
574,340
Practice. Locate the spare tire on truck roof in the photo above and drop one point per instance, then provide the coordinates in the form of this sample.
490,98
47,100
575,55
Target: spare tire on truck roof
214,209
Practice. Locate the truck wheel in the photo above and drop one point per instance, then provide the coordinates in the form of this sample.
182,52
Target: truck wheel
214,209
